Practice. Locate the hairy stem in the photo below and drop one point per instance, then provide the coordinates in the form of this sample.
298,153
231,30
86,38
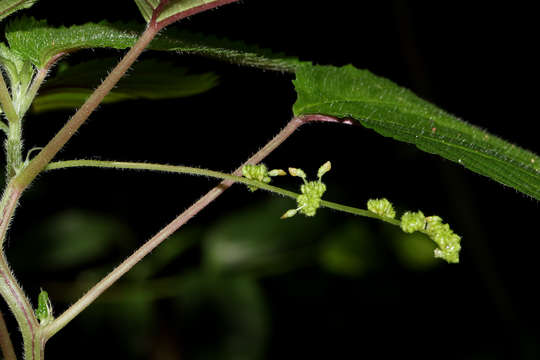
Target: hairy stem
9,288
62,137
164,233
22,310
210,173
5,341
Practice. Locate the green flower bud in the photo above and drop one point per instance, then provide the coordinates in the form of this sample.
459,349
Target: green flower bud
289,214
413,221
310,200
297,172
277,172
324,169
381,207
44,312
256,172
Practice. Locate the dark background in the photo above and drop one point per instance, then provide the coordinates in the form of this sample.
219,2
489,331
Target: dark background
474,61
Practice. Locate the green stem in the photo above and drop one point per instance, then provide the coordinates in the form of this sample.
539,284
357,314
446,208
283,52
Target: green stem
37,81
9,288
26,176
14,148
6,102
210,173
5,341
164,233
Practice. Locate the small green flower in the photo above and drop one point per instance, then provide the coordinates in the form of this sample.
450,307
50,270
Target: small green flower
413,221
448,242
312,191
381,207
260,173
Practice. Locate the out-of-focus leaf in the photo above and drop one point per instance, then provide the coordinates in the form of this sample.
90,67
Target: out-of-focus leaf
165,253
8,7
132,320
74,238
223,317
149,79
349,250
255,239
414,251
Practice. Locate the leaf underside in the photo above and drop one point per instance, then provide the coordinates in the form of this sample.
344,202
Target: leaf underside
396,112
38,42
149,79
173,7
344,92
8,7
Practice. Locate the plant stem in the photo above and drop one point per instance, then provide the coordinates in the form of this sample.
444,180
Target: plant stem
210,173
151,244
22,310
6,102
9,288
5,341
37,164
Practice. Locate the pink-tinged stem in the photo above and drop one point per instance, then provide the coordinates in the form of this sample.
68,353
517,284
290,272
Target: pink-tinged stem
70,128
5,341
183,218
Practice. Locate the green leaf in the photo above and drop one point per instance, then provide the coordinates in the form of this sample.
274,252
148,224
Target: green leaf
171,9
233,310
254,240
147,7
234,52
38,42
350,250
149,79
75,238
8,7
396,112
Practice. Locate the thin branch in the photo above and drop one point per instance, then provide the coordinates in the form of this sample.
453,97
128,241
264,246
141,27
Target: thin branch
122,165
151,244
5,341
168,230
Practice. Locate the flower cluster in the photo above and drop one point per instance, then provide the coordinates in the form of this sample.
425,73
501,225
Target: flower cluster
445,238
381,207
260,173
312,191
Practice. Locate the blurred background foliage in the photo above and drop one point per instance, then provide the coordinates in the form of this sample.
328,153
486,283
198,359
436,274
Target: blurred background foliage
239,283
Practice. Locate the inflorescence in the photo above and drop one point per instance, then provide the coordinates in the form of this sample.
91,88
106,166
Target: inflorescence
310,200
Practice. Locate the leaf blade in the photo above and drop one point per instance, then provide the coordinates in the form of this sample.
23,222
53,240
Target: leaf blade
8,7
396,112
149,79
38,42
